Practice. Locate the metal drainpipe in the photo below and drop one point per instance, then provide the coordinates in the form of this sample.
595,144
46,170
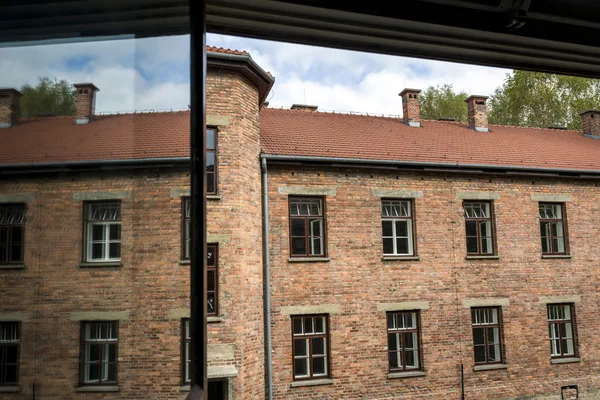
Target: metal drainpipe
267,278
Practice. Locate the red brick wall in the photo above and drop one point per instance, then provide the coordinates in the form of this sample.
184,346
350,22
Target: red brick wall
357,279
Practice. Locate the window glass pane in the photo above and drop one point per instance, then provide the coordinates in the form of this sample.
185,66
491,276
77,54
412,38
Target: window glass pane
390,321
566,331
112,372
210,161
93,352
115,232
298,326
388,246
411,320
98,232
320,325
557,229
566,310
478,336
11,354
300,347
210,139
471,245
471,228
210,256
567,346
298,227
395,359
402,246
387,228
114,250
559,245
554,347
393,341
494,353
315,207
316,246
210,183
210,300
479,354
386,209
318,346
10,373
299,246
210,280
308,325
93,374
402,228
319,366
410,341
493,336
411,359
301,367
315,227
98,251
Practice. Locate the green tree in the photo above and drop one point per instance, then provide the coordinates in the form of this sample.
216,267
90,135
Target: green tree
442,102
542,100
48,97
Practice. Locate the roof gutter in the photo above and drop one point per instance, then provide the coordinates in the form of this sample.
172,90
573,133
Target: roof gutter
439,165
51,166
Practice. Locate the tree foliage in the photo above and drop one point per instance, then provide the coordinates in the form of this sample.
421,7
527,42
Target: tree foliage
48,97
442,102
543,100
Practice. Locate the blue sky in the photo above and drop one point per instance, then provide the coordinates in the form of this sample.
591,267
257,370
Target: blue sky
153,73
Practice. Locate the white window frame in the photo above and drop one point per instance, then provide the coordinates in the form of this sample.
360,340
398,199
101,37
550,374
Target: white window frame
89,242
409,222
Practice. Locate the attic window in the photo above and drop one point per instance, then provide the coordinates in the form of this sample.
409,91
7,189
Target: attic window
480,102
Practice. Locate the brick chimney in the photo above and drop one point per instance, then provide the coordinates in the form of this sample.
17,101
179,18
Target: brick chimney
590,122
477,113
411,108
85,102
9,107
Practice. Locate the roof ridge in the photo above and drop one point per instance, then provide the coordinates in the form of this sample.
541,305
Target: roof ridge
223,50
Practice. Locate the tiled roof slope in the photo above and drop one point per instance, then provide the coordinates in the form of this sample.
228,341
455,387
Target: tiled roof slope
320,134
108,137
222,50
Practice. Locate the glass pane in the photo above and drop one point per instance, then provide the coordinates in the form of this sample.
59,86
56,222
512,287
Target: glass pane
394,341
559,245
294,208
210,183
315,227
210,302
395,359
112,372
308,325
210,161
301,347
210,280
566,331
567,346
386,228
388,246
301,367
390,321
410,341
93,373
478,336
494,353
318,346
471,245
316,246
299,246
411,320
319,366
114,250
402,228
210,139
315,207
410,359
471,228
297,326
93,353
320,325
11,373
546,245
210,256
298,227
115,232
479,354
16,252
11,354
402,246
98,232
493,337
557,229
554,347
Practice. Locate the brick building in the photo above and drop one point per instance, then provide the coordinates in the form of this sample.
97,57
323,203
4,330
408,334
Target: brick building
407,258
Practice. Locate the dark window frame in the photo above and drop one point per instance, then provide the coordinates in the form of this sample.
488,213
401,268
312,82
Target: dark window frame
9,235
573,323
214,151
186,219
307,235
86,258
185,340
82,362
413,230
3,347
491,218
416,330
563,220
214,268
486,344
326,335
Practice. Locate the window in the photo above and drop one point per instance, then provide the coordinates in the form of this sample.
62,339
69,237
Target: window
99,342
103,231
12,233
479,228
186,341
212,264
186,237
552,228
403,340
310,347
306,227
211,161
10,342
487,344
561,329
397,227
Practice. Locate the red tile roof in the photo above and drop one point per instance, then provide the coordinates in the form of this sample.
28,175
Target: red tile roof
108,137
319,134
222,50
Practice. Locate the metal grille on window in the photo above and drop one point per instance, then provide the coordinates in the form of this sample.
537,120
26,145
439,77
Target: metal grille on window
104,232
486,335
560,327
552,228
212,262
397,229
10,341
478,226
310,347
403,341
12,233
306,227
99,361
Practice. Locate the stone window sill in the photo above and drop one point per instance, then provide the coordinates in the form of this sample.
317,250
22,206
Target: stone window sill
555,257
97,389
565,360
400,258
316,382
214,319
213,197
185,388
12,266
109,264
10,389
185,262
490,367
406,374
482,257
308,259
